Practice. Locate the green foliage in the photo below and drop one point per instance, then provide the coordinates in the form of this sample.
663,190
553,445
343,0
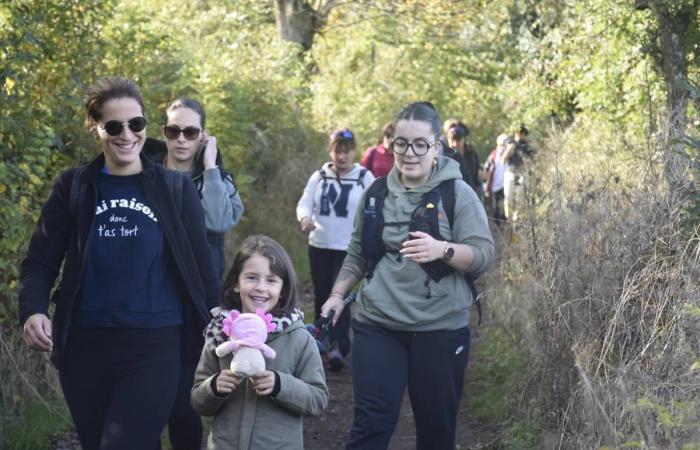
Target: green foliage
583,75
496,371
44,422
47,50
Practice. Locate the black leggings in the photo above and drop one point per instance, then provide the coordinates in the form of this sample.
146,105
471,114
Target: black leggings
185,425
384,362
325,265
120,384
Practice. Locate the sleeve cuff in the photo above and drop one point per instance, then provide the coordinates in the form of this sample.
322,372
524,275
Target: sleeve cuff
212,385
278,385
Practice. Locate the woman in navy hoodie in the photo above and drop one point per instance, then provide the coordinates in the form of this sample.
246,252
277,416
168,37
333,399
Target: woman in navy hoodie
137,281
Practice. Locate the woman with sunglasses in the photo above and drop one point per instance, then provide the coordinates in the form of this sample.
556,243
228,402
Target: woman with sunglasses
190,149
325,212
409,329
137,279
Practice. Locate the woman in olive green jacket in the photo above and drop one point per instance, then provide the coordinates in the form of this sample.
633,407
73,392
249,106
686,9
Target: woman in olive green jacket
266,410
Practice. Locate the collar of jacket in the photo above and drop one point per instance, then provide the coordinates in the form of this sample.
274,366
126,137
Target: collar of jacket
92,171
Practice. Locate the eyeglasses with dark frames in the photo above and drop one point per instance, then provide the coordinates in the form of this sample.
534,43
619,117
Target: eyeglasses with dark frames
419,146
115,127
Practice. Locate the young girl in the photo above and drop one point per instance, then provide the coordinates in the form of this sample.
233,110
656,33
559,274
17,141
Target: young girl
265,410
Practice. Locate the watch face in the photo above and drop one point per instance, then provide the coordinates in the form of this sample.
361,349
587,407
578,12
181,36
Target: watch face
449,253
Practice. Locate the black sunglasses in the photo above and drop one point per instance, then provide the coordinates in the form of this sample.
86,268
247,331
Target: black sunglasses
173,132
115,127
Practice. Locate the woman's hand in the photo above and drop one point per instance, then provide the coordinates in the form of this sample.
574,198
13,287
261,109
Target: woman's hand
209,158
37,333
227,382
334,303
307,224
422,248
263,382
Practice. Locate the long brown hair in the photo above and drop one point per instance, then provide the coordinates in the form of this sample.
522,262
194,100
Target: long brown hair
280,265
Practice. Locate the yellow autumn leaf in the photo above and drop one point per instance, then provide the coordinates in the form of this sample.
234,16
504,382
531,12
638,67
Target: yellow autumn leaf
9,84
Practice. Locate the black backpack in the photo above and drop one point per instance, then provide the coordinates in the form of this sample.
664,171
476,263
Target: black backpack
424,218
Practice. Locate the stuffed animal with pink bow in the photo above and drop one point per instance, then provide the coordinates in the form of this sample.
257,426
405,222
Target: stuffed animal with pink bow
247,333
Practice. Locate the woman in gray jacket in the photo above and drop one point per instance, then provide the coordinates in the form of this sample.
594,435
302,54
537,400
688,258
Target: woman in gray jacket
264,411
412,324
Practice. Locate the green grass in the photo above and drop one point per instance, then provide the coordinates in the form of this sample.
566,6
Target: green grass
496,377
32,428
495,374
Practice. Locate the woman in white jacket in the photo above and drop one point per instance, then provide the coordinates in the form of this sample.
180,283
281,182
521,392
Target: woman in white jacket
326,212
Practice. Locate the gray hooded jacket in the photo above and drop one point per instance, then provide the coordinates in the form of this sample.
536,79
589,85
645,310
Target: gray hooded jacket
400,296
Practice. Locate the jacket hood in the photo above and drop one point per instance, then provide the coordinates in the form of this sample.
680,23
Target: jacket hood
445,169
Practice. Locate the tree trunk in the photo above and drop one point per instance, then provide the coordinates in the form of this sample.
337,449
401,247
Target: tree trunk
297,22
674,24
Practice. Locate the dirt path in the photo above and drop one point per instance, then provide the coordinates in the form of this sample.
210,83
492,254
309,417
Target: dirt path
329,431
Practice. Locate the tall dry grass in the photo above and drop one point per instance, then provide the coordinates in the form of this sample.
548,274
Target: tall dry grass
600,286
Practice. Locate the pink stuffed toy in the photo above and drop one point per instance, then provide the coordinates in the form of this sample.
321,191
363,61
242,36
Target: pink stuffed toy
247,333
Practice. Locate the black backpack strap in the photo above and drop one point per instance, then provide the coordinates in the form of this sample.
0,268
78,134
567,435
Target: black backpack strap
361,178
174,180
447,192
373,224
76,192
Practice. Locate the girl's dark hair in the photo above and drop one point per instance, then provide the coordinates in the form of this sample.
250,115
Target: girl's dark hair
342,141
458,130
424,112
280,265
186,102
387,132
106,89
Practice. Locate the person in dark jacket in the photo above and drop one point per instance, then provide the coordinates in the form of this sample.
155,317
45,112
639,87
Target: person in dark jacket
137,282
189,148
457,137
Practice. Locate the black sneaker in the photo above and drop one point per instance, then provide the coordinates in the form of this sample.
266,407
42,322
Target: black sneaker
335,360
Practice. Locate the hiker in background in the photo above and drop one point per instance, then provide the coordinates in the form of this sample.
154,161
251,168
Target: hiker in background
265,410
449,123
189,148
448,151
326,211
457,137
514,177
412,322
495,169
379,159
521,143
137,283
